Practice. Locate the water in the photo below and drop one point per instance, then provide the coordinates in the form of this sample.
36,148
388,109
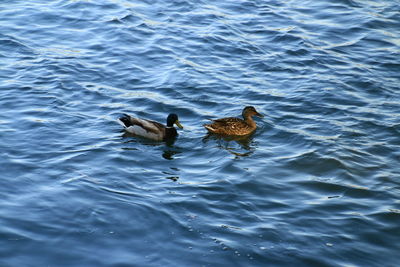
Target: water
316,185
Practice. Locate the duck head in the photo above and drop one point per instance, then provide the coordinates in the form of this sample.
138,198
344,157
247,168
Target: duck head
173,119
250,111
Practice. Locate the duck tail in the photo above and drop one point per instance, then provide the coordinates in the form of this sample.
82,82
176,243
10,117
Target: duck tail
125,121
209,127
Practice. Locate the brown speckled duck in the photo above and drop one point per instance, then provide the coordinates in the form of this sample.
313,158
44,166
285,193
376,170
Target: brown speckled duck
235,126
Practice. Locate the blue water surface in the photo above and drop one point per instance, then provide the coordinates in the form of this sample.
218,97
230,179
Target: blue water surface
316,185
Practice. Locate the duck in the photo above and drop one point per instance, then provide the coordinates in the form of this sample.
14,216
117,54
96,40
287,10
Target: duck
233,126
151,129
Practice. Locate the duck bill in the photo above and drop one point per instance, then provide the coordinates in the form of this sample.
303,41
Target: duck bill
259,115
178,124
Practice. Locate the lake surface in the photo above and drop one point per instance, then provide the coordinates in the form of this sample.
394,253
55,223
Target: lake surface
318,184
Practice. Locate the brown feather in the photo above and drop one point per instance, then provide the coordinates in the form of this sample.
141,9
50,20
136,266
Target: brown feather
233,125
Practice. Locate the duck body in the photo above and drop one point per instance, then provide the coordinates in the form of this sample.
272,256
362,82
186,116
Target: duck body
235,126
151,129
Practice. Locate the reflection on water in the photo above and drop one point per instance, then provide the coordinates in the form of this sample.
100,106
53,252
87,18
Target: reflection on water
172,178
241,146
169,153
169,150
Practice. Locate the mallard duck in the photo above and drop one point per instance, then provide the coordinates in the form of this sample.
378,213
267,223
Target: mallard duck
235,126
151,129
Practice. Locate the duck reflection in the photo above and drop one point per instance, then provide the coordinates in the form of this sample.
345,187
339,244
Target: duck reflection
242,143
169,154
172,175
169,151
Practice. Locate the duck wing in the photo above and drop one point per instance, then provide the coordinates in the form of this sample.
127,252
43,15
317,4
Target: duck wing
147,125
230,126
228,121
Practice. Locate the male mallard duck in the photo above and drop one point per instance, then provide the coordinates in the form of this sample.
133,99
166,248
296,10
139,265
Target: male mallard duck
235,126
151,129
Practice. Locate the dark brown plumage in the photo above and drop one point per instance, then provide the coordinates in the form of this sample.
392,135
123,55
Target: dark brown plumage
235,126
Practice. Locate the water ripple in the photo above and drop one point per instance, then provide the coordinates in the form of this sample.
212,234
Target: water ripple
315,185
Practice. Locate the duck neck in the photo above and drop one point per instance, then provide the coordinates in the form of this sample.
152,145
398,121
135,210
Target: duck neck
170,132
249,120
